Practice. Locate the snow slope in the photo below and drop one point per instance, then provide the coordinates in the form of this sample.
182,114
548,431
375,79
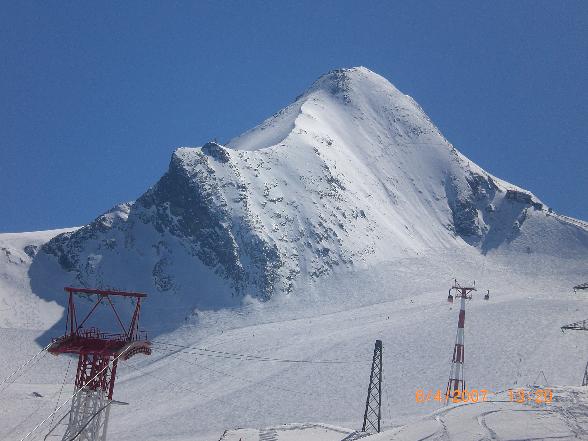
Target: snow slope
341,219
19,306
498,418
187,394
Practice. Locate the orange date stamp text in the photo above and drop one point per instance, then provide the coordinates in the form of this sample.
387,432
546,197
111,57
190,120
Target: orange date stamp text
537,396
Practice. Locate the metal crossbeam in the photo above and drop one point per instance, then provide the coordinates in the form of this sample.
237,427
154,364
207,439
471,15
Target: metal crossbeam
577,326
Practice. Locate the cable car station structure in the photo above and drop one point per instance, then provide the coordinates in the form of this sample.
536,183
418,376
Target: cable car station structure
98,355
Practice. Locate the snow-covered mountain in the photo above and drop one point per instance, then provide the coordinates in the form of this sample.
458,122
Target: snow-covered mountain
341,219
351,174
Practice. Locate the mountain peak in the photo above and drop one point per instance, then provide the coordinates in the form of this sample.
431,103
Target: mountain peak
341,82
356,91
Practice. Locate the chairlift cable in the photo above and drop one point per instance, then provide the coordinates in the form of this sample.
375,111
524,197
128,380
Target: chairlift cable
61,390
250,357
188,389
74,395
179,386
24,365
258,383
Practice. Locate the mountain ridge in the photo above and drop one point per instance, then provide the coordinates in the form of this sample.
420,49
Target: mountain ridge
351,173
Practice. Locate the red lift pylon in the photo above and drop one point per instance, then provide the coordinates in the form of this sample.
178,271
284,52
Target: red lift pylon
456,379
98,355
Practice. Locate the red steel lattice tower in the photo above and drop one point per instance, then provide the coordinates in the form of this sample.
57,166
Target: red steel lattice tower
98,356
456,378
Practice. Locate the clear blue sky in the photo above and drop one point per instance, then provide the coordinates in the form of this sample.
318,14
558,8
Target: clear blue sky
94,96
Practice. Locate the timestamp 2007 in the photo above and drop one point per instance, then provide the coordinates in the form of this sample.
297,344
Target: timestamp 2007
537,396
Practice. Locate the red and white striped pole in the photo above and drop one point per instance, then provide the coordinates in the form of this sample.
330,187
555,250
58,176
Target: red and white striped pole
456,383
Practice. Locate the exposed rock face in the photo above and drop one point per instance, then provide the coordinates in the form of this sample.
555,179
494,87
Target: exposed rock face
351,174
469,206
187,204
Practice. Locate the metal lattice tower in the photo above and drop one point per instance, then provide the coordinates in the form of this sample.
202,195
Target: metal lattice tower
373,405
456,377
98,355
579,326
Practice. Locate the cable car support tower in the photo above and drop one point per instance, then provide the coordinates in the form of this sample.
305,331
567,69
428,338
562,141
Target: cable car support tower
579,326
98,355
372,417
456,381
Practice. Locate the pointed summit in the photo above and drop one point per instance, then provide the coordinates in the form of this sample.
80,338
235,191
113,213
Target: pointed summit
341,94
340,82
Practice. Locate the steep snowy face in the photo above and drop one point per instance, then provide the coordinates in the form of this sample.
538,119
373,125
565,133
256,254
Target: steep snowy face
351,174
390,156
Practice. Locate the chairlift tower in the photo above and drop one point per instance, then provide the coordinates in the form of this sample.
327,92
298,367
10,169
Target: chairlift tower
98,355
579,326
456,378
